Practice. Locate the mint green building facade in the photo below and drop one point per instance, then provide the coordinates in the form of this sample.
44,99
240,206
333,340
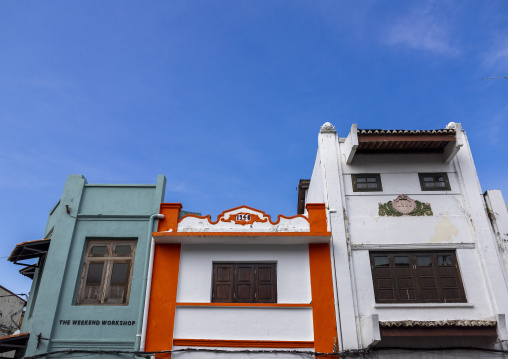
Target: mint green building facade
56,318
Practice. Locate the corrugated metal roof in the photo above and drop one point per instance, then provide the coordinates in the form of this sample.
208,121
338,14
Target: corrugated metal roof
439,323
29,249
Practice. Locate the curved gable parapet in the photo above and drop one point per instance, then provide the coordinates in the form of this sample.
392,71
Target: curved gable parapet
243,219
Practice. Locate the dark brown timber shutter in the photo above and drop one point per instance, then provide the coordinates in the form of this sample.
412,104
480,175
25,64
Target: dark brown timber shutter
451,284
384,287
404,280
245,284
427,280
267,283
223,283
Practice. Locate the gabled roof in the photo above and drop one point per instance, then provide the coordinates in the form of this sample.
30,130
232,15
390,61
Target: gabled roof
29,250
14,294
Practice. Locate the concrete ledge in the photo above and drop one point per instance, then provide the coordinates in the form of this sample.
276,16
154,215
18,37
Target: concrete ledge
423,305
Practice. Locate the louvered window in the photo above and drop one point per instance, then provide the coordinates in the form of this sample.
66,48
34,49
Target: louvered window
107,272
416,277
244,283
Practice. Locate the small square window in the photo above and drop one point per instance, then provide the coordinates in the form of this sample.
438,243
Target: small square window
366,182
434,181
107,272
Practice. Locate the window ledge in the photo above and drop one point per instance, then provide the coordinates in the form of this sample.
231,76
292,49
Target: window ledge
248,305
423,305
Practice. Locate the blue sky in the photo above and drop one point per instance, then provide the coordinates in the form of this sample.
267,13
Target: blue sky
226,98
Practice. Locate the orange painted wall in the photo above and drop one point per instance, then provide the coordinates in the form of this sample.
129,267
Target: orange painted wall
161,315
323,310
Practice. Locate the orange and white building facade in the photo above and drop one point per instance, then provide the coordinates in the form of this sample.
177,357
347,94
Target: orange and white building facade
241,283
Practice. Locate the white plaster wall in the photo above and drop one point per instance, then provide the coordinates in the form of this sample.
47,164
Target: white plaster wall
448,224
247,323
498,213
244,323
256,354
397,163
293,270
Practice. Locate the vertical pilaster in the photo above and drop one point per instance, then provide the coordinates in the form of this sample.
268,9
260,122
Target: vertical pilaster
334,192
44,311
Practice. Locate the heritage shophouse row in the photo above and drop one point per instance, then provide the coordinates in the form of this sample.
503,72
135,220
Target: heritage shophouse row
394,247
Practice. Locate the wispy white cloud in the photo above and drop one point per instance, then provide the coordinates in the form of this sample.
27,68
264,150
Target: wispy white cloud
496,58
424,28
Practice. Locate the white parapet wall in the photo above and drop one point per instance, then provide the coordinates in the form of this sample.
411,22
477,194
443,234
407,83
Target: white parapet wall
244,323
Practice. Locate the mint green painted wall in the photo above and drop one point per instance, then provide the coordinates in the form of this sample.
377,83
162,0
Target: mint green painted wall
96,211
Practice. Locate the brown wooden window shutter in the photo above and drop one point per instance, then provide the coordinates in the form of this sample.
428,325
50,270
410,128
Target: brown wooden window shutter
244,283
223,283
416,277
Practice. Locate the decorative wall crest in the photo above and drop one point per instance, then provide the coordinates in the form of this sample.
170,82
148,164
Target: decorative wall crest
403,205
244,218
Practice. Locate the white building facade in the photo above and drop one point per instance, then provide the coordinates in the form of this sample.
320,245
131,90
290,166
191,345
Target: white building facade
419,254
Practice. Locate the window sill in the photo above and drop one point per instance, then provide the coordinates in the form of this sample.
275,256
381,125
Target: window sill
422,305
249,305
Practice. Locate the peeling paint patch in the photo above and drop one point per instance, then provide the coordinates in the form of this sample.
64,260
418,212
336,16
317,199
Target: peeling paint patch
444,231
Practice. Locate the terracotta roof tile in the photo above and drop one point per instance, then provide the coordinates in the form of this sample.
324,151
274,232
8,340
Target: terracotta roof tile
439,323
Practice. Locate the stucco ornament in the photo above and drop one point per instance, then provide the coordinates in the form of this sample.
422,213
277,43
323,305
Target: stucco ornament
328,128
403,205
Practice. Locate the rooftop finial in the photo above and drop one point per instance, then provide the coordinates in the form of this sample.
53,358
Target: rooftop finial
328,128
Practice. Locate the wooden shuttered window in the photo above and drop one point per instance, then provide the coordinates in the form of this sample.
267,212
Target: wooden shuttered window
107,273
416,277
244,283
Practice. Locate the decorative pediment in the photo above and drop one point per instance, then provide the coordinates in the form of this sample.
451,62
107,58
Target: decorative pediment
243,219
403,205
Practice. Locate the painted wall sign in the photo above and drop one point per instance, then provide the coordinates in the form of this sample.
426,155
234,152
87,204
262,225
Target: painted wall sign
96,322
403,205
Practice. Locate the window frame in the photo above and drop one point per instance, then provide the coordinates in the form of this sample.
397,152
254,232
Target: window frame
354,182
108,261
417,278
434,175
233,297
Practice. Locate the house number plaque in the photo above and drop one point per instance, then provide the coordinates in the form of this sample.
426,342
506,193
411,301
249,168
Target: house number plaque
243,218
